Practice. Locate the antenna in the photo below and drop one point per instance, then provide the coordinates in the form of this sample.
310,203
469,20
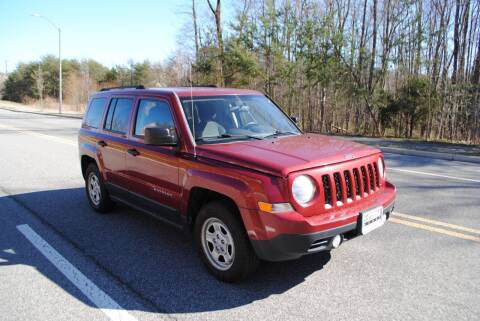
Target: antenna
193,114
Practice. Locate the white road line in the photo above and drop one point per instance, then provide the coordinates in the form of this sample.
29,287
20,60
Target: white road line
432,174
39,135
102,300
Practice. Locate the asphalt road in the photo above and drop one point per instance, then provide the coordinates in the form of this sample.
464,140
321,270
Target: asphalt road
59,260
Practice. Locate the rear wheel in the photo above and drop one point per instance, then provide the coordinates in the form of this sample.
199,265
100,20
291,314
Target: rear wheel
223,243
97,193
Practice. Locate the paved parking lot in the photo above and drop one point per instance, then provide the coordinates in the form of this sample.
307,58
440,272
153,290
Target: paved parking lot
60,260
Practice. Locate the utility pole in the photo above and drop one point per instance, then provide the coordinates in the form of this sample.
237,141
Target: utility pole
60,76
60,93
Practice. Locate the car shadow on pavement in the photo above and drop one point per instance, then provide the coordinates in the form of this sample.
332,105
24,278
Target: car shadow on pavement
156,262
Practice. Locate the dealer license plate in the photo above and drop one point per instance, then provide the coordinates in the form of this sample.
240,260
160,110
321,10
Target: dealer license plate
372,219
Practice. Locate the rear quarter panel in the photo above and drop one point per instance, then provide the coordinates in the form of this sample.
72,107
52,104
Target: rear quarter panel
87,146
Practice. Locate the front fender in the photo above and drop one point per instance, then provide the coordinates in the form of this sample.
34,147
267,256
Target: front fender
231,187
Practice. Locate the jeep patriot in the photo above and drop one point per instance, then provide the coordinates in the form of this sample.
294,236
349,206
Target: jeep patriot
231,168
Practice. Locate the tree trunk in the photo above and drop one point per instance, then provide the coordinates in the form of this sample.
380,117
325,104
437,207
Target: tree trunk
456,40
463,48
195,29
476,68
362,40
374,47
218,26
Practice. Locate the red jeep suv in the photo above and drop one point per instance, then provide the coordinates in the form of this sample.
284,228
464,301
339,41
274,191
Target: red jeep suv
233,169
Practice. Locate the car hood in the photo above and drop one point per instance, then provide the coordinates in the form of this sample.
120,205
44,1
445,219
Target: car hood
285,154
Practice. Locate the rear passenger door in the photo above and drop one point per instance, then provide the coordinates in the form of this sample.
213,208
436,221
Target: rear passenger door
153,170
114,144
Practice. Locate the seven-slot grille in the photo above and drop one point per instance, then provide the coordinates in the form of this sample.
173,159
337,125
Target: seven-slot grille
350,184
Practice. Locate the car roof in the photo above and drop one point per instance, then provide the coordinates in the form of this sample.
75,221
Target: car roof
182,91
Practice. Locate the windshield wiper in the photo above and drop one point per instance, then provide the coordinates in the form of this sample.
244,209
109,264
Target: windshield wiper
240,136
208,138
279,133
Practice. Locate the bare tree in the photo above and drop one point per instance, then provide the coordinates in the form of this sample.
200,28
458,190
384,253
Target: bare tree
218,25
195,30
374,46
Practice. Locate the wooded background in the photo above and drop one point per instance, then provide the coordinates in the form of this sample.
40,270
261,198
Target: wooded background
403,68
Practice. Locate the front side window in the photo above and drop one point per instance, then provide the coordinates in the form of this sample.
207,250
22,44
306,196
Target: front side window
95,112
153,113
118,115
235,117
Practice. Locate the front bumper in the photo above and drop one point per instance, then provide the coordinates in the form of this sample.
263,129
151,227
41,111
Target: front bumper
292,246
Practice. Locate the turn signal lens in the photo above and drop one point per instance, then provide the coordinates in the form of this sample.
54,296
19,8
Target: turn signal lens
275,208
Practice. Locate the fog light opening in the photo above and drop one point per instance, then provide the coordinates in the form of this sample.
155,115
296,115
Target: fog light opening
336,241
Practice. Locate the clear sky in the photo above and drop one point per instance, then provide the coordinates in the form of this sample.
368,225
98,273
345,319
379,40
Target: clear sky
108,31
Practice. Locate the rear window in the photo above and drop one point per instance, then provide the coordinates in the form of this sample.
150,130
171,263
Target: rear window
95,112
118,115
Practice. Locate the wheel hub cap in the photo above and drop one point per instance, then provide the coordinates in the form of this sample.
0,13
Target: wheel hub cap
217,244
94,190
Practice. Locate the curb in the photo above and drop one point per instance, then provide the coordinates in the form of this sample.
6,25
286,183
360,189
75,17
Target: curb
45,114
437,155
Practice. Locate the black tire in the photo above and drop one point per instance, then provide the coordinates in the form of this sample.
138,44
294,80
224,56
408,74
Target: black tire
245,261
103,203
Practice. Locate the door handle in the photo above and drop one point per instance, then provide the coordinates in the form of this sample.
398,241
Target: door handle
101,143
133,152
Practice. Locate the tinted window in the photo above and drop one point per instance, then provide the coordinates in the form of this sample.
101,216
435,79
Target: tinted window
153,113
118,115
95,112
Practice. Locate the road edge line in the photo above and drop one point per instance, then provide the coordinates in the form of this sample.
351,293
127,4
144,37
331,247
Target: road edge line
96,295
427,154
42,113
433,174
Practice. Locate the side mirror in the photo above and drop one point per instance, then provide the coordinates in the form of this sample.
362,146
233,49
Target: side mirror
294,119
160,136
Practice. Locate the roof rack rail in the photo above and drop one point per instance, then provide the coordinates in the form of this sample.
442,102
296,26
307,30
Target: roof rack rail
209,86
123,87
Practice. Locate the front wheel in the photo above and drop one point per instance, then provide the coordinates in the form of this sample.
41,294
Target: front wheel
223,243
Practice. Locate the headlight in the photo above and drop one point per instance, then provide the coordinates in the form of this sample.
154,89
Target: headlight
381,169
303,189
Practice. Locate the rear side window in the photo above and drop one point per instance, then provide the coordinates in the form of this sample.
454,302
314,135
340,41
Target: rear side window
153,113
118,115
95,112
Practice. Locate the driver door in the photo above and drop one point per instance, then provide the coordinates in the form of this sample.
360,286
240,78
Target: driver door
153,170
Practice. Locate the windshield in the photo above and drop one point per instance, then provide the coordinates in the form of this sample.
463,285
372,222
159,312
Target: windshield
235,117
